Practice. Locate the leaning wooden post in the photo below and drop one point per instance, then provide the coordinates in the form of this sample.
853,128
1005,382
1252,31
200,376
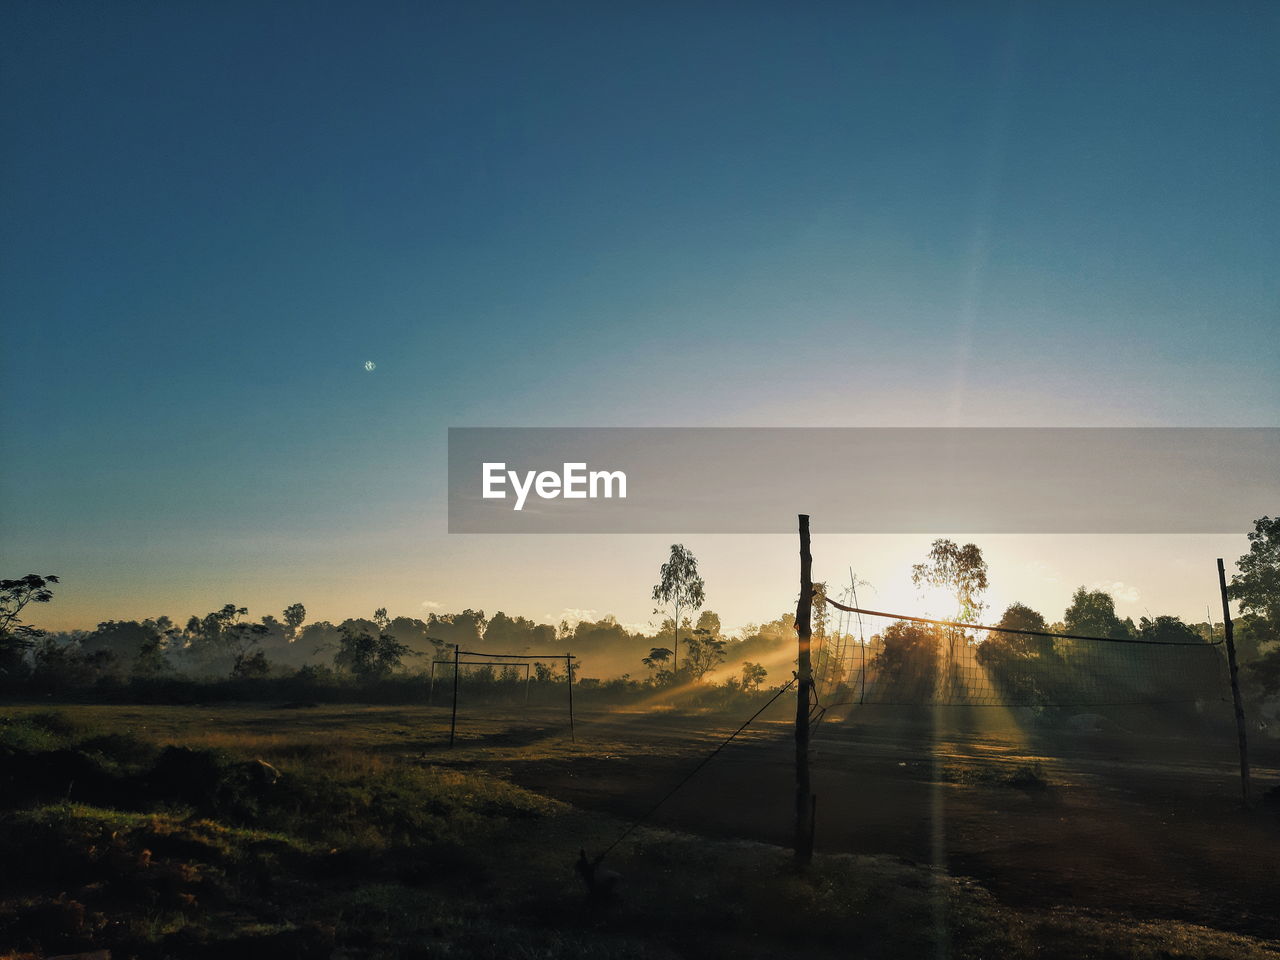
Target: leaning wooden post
1235,686
804,687
568,669
453,721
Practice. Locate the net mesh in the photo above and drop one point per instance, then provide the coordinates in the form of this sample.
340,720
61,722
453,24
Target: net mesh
869,657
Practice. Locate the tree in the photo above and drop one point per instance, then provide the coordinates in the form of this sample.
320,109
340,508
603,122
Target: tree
209,637
1256,588
367,656
242,641
1022,666
1166,629
908,661
705,653
517,633
543,672
958,569
275,635
679,586
150,661
657,657
463,629
1093,614
962,571
294,616
126,639
821,612
249,665
709,623
58,664
16,637
1018,616
753,674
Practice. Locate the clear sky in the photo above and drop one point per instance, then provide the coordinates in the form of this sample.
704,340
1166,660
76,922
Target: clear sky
211,216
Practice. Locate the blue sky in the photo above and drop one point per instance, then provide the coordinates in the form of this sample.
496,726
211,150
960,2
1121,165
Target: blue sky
587,214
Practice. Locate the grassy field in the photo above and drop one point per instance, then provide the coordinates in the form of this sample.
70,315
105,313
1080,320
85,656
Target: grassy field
347,831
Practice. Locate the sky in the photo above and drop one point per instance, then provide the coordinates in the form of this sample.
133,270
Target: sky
573,214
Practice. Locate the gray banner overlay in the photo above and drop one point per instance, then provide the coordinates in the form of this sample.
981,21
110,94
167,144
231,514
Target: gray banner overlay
862,480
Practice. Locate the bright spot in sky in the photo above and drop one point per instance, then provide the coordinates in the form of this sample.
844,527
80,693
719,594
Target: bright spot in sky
370,365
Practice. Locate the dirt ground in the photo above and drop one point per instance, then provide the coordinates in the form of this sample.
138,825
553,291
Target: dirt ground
1110,822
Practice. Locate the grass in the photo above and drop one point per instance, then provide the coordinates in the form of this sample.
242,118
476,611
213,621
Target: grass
363,843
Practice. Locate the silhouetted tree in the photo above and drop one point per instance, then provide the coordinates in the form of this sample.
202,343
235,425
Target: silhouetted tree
368,656
705,653
1018,616
125,640
294,615
709,623
908,661
517,633
821,613
958,569
249,664
679,586
597,634
962,571
1093,614
1020,665
151,661
544,672
16,637
1256,588
753,674
207,637
1165,629
242,641
464,629
61,664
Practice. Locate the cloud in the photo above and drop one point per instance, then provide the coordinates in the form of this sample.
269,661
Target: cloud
572,615
1120,590
432,604
1042,570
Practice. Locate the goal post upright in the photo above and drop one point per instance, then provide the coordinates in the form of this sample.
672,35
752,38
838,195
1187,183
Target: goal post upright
1236,701
453,718
508,661
568,672
804,687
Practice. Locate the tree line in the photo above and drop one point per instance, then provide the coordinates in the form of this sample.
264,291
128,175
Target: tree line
913,662
687,649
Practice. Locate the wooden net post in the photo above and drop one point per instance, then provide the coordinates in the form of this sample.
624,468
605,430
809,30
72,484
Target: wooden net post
804,688
1236,701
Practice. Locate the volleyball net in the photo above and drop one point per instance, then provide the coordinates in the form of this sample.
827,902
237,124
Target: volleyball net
864,656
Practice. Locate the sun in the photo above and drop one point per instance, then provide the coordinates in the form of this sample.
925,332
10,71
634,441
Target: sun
936,601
